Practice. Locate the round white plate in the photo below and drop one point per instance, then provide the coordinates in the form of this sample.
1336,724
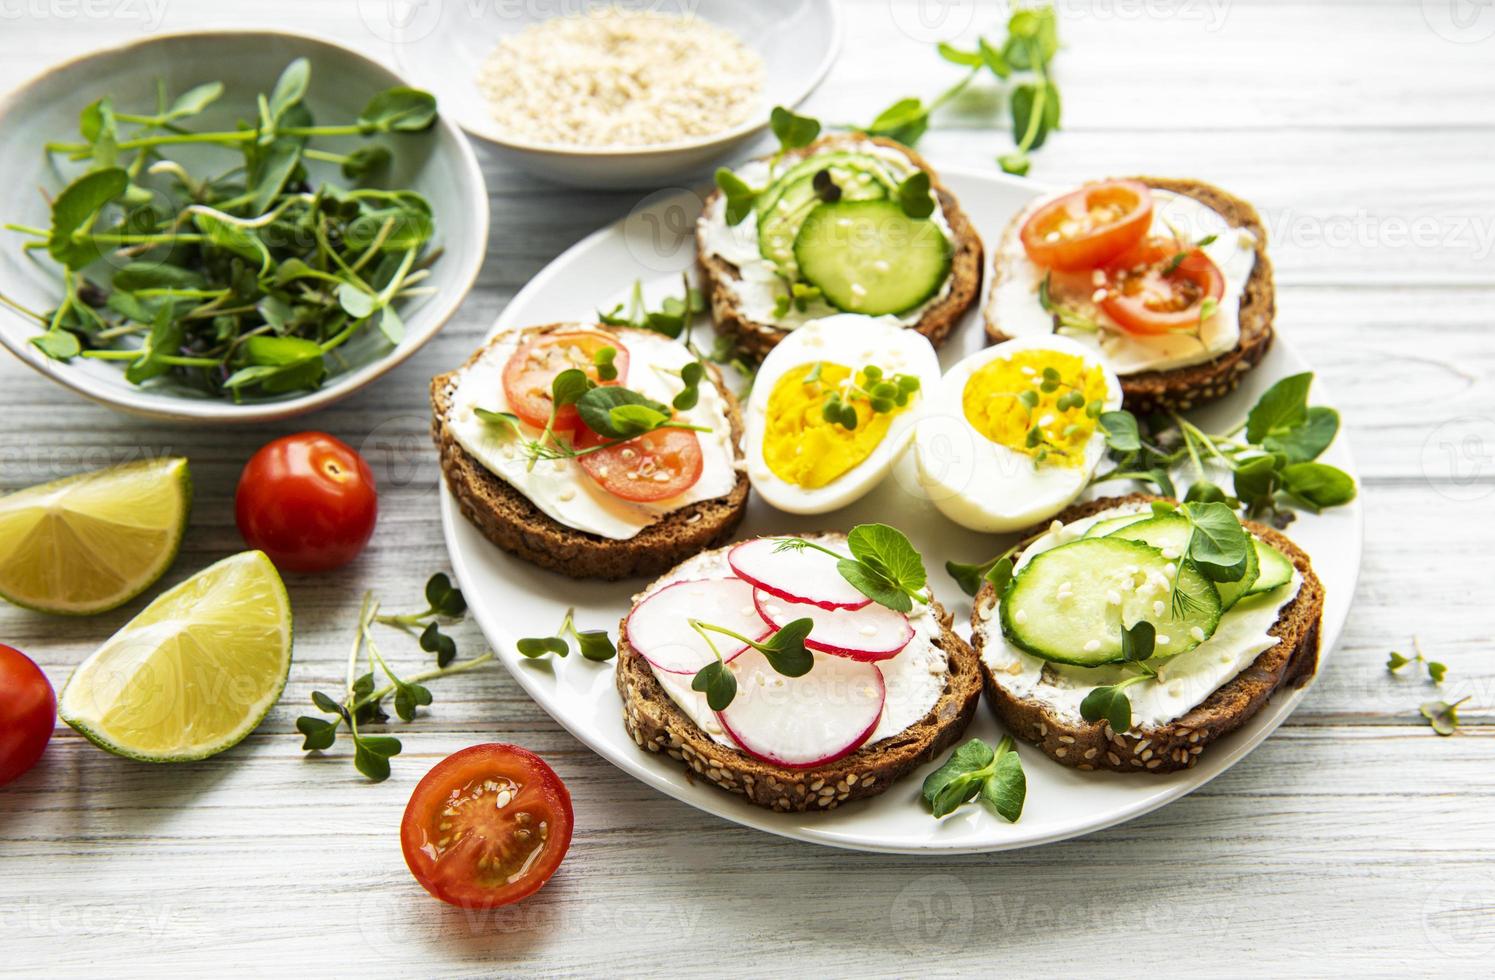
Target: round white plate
511,598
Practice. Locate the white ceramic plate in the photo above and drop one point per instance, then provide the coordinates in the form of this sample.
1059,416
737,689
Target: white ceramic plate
439,163
511,598
441,46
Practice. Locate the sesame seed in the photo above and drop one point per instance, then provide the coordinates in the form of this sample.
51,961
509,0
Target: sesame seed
1164,639
1197,634
1020,617
1092,646
1158,608
1113,598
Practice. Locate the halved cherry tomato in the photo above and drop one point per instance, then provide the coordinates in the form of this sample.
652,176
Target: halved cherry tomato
487,826
533,367
1145,296
1084,228
28,711
308,501
655,466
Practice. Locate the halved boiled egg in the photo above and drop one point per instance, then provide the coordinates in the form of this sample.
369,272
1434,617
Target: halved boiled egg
1013,435
833,406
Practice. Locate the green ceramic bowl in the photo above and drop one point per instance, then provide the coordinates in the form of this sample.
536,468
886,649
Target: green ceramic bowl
439,163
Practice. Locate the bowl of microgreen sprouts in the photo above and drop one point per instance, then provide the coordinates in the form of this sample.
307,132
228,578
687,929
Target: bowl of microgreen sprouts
230,226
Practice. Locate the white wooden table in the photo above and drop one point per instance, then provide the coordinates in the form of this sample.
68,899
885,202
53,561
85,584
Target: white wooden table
1353,840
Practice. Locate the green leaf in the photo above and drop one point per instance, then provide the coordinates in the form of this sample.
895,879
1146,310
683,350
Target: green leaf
955,56
1015,163
320,733
1219,546
165,338
504,420
1024,102
290,88
1121,431
539,646
717,683
597,408
992,58
325,703
1137,641
1110,703
366,163
1281,407
785,648
195,100
391,326
914,196
408,697
1318,484
1205,492
1006,789
740,197
432,640
1396,662
60,345
399,109
905,121
1444,717
1308,440
1032,34
874,585
596,645
635,420
357,302
791,130
968,577
74,210
272,168
1000,575
222,231
1255,482
567,387
885,550
152,275
1436,671
959,779
363,686
444,597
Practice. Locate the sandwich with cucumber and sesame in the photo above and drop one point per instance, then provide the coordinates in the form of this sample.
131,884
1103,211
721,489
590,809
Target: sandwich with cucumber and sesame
849,223
1134,631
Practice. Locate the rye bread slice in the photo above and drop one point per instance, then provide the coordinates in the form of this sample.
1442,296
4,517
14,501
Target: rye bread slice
657,725
1178,744
510,520
1184,388
757,338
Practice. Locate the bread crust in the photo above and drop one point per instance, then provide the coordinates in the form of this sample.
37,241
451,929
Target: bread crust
966,265
510,520
1181,389
658,725
1178,744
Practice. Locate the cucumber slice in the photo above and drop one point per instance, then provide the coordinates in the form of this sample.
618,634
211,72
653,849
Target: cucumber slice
1085,629
1172,531
1102,528
1276,569
808,168
869,257
779,221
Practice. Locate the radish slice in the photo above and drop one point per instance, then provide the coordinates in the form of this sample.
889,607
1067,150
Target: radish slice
873,633
659,627
805,721
805,575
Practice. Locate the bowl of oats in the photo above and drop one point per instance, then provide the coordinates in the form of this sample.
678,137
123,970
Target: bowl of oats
623,94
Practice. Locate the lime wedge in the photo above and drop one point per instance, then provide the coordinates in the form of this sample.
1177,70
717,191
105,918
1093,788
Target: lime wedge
194,673
94,541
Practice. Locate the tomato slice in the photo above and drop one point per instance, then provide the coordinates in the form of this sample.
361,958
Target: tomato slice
528,374
1147,294
655,466
487,826
1086,227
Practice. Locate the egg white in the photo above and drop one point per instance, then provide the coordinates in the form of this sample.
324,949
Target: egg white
853,340
984,485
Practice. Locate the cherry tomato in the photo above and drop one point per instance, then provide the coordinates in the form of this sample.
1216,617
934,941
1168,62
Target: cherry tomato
308,501
487,827
28,711
1084,228
533,367
1147,294
657,465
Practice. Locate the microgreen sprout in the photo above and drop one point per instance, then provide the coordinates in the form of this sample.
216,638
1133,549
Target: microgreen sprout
594,645
784,649
884,566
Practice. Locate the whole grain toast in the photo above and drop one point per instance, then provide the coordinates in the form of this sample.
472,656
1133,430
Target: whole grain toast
658,725
757,338
1184,388
1178,744
510,520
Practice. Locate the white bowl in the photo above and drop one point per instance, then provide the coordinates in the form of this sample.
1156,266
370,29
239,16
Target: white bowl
439,163
441,46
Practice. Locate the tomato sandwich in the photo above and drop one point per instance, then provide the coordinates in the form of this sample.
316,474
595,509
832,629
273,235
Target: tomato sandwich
591,450
1167,280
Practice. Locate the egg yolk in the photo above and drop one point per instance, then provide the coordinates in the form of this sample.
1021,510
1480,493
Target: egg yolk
799,445
1004,400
